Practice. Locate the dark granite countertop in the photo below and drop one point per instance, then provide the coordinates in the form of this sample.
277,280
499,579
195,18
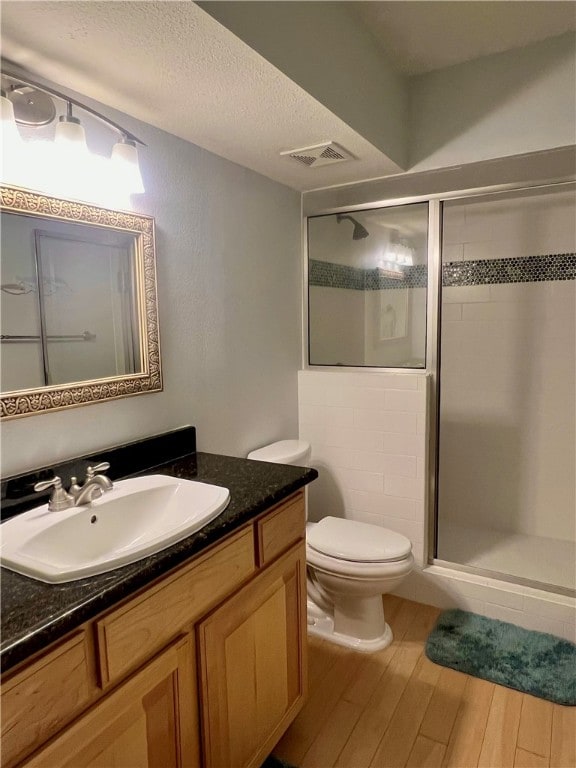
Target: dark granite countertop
35,614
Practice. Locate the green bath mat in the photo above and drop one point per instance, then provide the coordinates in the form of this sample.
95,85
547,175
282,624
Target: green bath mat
531,662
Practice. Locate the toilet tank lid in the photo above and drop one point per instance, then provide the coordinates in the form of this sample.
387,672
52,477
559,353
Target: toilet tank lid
282,452
360,542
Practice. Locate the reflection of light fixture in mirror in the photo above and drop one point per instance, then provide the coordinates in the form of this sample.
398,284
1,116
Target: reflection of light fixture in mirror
391,270
397,256
23,285
64,167
15,289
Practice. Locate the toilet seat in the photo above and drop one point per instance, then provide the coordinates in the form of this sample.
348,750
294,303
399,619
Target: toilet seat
356,542
349,569
333,536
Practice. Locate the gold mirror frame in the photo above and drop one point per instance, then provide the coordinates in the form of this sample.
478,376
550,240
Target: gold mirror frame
27,402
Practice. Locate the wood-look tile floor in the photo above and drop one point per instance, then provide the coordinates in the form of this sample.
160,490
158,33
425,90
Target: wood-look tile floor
396,708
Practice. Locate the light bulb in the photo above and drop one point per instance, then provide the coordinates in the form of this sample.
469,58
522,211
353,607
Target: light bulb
70,136
12,143
125,162
10,133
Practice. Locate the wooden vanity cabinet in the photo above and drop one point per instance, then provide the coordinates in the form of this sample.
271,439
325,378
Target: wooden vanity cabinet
253,665
207,667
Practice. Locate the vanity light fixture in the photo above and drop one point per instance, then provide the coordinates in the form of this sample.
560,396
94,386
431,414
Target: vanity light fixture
10,136
12,143
397,256
125,158
63,167
70,134
391,270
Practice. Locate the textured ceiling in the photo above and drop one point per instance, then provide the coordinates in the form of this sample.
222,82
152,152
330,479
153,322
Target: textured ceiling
172,65
419,37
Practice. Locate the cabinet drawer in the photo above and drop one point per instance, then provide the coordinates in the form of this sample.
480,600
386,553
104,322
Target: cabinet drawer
40,700
131,634
147,721
278,530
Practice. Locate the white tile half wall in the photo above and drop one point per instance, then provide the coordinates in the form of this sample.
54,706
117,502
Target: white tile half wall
368,432
368,436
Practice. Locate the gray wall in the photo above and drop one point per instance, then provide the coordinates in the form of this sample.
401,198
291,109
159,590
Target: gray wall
228,261
519,101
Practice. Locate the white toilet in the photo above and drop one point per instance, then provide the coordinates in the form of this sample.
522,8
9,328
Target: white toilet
350,566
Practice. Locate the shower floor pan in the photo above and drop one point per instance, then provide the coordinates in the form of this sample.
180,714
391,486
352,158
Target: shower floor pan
537,558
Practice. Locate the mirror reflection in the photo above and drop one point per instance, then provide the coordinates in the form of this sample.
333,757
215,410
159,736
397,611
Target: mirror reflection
367,278
78,304
69,309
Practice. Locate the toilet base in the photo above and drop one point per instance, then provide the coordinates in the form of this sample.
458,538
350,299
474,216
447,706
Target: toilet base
323,626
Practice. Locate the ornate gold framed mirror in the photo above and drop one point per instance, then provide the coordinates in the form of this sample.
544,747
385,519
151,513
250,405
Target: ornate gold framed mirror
79,314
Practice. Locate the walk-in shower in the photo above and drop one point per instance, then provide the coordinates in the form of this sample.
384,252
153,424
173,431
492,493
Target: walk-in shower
476,292
506,421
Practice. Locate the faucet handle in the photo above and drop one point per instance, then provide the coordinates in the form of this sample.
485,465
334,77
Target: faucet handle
105,482
56,482
59,498
45,484
102,467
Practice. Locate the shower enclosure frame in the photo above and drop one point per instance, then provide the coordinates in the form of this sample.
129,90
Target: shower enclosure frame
319,203
432,503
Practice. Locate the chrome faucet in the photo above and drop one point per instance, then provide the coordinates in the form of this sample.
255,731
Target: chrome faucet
93,487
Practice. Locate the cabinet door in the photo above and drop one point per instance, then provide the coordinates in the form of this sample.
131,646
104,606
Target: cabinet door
253,665
150,721
40,700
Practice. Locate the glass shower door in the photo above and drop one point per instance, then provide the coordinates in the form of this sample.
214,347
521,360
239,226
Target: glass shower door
506,465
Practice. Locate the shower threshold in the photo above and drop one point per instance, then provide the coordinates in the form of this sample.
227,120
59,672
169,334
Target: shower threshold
535,561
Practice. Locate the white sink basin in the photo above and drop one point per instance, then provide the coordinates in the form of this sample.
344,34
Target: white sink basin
138,517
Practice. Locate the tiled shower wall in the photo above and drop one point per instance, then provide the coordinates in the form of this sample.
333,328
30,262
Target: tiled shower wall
508,383
508,408
358,295
368,436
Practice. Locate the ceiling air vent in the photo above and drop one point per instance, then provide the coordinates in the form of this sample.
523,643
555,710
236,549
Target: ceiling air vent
319,154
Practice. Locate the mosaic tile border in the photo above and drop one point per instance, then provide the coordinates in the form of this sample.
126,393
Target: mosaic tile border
413,277
329,275
525,269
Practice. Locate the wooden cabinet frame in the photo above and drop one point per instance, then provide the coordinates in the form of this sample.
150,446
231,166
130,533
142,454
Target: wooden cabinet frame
126,682
252,660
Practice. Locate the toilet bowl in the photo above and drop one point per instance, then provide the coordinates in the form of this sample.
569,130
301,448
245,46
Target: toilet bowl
350,565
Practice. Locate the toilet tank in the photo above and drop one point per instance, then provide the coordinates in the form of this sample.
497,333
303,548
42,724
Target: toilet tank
284,452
